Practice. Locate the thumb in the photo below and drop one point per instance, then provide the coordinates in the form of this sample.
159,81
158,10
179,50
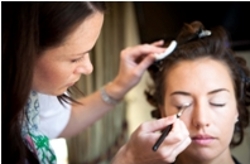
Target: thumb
157,125
158,43
145,63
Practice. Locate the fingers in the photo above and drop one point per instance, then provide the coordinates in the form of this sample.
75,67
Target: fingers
170,152
134,61
144,55
178,133
144,137
180,127
176,142
144,64
141,50
181,146
157,125
158,43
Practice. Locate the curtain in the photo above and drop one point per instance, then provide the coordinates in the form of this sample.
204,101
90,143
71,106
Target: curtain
99,143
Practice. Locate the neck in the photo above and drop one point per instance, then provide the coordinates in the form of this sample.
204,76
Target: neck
224,157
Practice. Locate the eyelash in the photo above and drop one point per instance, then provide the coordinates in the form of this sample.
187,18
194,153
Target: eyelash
213,104
218,105
180,107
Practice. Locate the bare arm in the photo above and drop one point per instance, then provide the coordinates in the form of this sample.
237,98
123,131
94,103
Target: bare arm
93,108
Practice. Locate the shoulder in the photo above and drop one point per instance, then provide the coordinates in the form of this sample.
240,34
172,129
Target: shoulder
52,112
48,102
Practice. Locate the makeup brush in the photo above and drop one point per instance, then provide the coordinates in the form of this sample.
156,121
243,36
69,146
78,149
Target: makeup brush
168,128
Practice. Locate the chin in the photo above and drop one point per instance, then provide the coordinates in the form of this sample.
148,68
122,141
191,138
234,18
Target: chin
61,92
50,90
58,92
201,154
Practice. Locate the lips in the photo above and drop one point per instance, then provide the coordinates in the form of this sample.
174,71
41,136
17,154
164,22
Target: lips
73,83
70,85
203,139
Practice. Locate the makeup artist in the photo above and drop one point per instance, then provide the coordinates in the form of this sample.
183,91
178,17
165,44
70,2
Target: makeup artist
45,50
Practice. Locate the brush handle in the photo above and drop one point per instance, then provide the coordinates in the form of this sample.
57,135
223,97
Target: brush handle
162,137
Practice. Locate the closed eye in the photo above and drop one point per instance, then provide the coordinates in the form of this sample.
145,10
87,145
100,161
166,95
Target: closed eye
186,105
218,105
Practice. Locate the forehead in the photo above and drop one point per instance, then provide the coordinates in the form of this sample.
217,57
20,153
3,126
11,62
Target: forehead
81,40
85,35
205,72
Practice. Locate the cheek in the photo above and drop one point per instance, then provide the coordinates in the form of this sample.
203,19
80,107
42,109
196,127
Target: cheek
226,126
227,117
47,79
215,117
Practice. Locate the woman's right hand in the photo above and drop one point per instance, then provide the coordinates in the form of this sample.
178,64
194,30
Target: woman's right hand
138,150
134,61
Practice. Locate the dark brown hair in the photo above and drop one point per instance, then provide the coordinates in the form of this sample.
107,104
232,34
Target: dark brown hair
216,47
29,28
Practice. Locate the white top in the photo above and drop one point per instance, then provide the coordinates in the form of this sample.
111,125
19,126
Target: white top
53,115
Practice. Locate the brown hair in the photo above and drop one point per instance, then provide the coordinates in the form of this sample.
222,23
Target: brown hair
29,28
217,47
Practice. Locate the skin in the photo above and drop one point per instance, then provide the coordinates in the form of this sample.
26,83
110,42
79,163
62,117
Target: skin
206,85
61,67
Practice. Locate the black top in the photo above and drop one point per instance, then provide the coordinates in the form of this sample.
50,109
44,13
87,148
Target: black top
235,160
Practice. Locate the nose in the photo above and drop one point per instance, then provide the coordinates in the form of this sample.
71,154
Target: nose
200,116
85,66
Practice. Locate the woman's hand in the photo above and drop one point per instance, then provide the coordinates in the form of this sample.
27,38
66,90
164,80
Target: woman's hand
139,148
133,63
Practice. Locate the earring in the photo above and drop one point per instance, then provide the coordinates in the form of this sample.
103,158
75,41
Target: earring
237,119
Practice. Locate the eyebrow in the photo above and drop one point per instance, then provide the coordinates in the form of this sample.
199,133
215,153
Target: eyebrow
88,51
218,90
180,93
188,94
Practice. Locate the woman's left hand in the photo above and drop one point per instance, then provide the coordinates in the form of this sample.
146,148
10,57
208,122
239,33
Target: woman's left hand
133,63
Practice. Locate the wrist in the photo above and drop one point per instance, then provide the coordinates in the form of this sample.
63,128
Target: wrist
107,98
115,90
123,156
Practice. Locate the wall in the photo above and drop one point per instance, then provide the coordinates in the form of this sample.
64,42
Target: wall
242,152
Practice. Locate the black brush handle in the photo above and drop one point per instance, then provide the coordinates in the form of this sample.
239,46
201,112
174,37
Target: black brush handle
162,137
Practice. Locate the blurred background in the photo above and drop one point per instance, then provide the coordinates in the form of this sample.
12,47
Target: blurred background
128,24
